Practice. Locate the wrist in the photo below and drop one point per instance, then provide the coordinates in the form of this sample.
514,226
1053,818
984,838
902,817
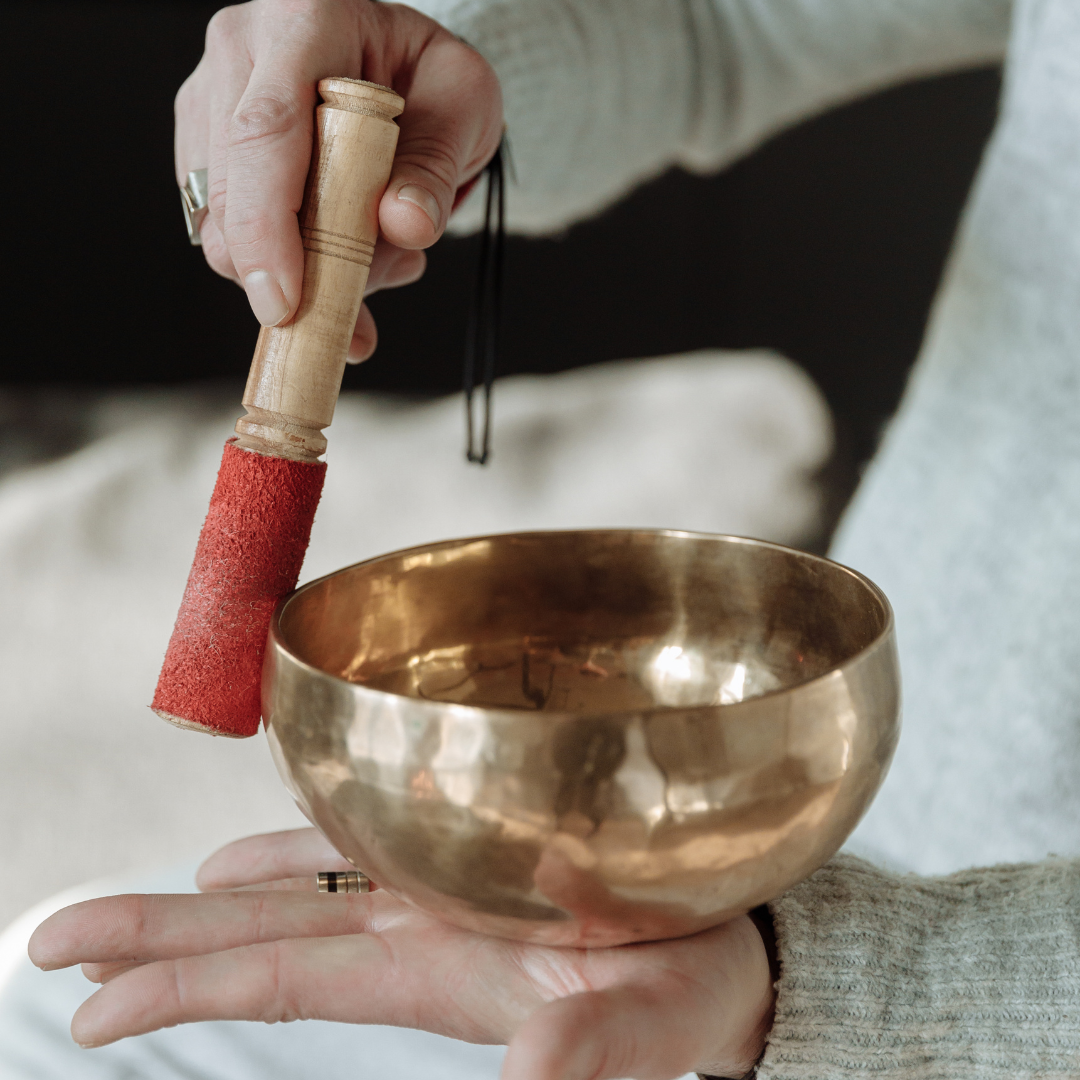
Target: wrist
752,1050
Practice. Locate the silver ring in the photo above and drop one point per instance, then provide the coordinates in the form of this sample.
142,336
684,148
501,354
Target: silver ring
193,197
347,881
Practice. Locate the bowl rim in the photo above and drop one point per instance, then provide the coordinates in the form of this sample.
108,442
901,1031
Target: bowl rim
275,636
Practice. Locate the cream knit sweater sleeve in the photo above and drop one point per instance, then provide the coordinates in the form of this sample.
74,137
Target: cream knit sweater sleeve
602,94
975,975
966,977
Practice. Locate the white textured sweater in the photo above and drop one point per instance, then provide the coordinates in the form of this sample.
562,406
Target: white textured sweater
969,518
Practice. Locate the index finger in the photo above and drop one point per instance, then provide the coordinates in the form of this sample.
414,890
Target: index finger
144,928
268,155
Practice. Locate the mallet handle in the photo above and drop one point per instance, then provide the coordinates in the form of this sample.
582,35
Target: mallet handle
295,375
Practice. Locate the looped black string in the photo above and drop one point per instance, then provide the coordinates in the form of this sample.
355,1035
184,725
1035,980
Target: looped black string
482,337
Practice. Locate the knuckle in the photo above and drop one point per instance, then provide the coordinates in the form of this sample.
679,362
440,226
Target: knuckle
133,916
246,229
475,75
175,984
184,96
260,918
217,256
261,118
299,8
281,1002
435,156
476,72
216,196
223,25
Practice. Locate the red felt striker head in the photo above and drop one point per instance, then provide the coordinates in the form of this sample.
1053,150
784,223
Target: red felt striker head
249,556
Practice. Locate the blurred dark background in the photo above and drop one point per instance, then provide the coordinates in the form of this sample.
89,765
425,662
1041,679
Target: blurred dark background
826,244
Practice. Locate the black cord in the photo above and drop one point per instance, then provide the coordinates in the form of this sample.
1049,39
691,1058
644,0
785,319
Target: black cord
482,337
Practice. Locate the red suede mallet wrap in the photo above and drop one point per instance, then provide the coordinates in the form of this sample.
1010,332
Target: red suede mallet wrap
249,556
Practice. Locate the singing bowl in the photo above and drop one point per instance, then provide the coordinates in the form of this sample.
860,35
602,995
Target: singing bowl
585,738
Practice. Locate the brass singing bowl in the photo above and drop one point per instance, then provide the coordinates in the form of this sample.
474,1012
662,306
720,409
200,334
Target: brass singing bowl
585,738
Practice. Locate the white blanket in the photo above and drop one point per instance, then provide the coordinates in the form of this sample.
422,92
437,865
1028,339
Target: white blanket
95,549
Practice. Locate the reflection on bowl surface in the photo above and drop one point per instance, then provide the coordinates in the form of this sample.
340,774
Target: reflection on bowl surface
586,678
588,737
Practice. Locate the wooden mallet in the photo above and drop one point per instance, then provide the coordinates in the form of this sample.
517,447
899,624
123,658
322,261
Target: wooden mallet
253,541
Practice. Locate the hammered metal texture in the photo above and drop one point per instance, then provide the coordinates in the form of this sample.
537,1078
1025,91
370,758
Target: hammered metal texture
585,738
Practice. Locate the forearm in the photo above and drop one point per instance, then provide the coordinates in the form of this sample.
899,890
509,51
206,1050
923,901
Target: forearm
975,974
601,94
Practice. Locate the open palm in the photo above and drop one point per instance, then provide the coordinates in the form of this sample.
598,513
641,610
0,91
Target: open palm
280,952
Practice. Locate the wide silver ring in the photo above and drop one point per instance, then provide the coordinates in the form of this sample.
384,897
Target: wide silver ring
347,881
194,198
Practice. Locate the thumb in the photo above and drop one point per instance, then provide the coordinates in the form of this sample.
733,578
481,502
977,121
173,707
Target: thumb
450,128
603,1034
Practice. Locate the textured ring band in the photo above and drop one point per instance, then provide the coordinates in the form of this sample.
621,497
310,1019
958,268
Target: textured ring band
346,881
194,198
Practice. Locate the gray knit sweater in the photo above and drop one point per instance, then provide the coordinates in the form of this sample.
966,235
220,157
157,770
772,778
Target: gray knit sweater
969,517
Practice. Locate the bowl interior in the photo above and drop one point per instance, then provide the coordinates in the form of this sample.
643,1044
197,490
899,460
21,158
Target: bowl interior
588,623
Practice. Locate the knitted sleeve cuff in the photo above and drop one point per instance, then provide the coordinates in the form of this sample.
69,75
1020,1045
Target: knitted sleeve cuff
885,975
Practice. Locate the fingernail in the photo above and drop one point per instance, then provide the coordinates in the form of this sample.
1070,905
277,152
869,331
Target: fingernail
266,298
424,199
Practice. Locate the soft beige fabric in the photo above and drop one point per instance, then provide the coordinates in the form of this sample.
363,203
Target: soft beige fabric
972,975
95,548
